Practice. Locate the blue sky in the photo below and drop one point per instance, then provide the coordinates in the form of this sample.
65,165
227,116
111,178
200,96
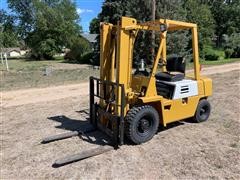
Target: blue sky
87,9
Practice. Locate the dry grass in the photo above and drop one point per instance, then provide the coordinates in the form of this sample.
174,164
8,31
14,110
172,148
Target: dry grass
30,74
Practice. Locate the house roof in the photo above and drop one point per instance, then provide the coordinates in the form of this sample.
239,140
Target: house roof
90,37
8,50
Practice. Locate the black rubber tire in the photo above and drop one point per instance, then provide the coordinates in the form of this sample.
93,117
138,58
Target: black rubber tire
141,123
203,111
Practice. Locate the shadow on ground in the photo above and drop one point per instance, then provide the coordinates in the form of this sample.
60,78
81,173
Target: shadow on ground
97,137
87,131
175,124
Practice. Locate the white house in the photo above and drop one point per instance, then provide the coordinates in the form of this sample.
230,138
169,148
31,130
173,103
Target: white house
14,52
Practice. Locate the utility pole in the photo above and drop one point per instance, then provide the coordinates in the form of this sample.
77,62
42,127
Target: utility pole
153,32
1,51
153,10
6,61
1,55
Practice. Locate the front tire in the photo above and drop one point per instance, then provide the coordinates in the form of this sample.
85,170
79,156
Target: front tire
141,123
203,111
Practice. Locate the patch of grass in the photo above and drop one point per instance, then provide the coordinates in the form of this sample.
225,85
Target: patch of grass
27,65
213,63
28,74
23,80
59,58
219,62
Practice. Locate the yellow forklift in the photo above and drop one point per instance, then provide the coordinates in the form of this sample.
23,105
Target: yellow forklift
124,103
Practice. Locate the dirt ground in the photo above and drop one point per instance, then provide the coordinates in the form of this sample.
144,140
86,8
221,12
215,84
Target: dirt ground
184,150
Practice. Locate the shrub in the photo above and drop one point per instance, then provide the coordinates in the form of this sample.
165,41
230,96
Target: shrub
236,52
228,52
213,54
86,58
233,42
78,49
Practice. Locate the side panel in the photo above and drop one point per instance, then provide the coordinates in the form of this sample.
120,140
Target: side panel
174,110
200,88
207,86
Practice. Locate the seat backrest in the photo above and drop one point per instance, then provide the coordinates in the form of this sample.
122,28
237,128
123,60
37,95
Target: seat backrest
176,63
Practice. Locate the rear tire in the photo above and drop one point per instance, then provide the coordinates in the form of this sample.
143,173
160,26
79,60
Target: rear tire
203,111
141,123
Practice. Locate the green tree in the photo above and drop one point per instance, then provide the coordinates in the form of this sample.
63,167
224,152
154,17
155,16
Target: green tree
232,45
8,30
47,26
113,10
201,15
227,17
94,26
141,10
24,10
177,42
79,48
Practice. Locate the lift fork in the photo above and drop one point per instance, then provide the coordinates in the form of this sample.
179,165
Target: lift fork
81,155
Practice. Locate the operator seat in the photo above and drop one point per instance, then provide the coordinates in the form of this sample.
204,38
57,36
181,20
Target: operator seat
174,64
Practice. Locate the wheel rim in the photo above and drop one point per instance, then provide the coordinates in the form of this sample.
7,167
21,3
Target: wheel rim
204,111
144,126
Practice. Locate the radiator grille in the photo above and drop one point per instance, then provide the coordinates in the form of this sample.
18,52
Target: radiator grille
184,89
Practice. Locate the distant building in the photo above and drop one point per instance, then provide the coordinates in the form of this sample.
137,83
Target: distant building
91,38
14,52
63,52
